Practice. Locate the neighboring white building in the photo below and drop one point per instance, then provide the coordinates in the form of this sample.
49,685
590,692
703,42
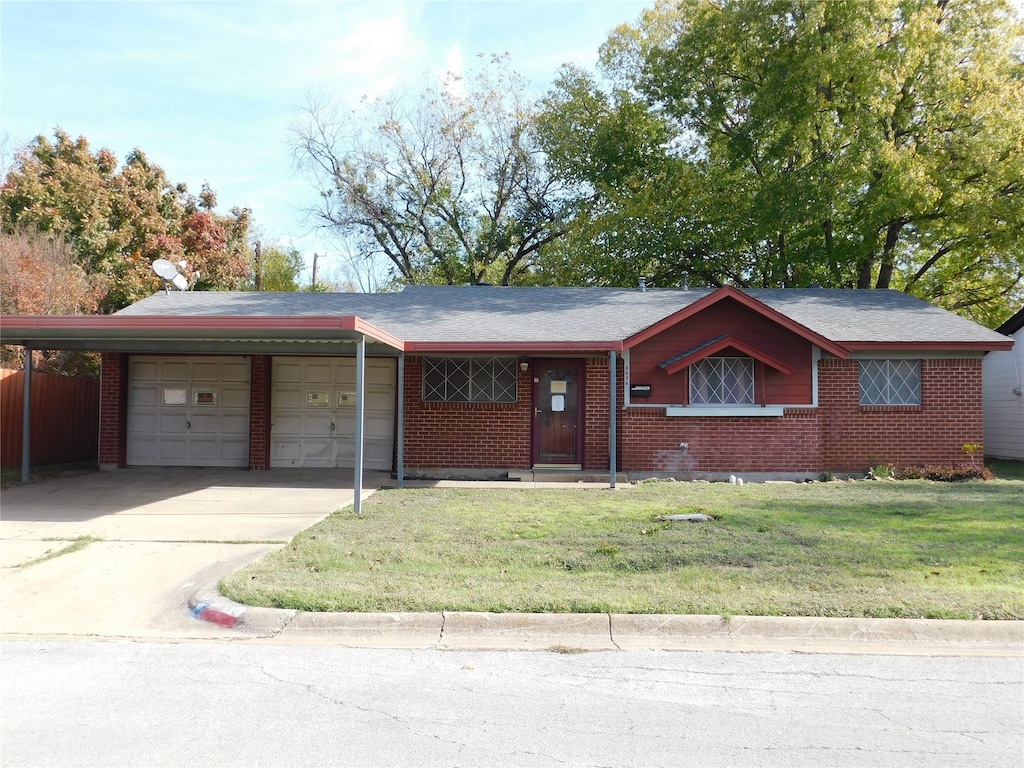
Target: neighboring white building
1003,383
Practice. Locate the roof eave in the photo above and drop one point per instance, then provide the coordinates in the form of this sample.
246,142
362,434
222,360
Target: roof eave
931,346
41,330
512,347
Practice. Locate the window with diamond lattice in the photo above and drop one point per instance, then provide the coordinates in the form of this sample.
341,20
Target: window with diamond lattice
722,381
890,382
470,380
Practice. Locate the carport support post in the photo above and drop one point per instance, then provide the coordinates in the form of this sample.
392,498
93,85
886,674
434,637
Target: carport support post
613,417
400,448
26,416
357,485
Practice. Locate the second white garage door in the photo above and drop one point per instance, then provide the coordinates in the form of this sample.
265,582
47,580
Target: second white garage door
313,413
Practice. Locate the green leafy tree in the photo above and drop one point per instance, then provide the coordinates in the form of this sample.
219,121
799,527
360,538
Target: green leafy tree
859,143
449,185
278,269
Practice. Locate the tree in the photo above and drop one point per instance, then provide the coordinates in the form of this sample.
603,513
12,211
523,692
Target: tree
39,276
117,221
449,186
277,268
850,143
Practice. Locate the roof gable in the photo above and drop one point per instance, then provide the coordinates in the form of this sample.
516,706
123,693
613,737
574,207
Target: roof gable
728,293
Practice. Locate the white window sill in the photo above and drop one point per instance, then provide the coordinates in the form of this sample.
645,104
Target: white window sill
725,410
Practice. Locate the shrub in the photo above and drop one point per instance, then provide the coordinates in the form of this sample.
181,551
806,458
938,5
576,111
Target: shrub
954,473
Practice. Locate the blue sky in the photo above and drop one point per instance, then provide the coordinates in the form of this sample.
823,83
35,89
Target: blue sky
208,89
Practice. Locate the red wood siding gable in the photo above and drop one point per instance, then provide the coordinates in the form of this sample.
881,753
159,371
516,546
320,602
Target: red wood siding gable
728,323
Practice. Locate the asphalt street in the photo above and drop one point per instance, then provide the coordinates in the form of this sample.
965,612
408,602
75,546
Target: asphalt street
84,703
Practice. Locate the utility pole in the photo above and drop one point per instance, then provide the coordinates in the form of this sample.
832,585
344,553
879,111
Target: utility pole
315,257
259,265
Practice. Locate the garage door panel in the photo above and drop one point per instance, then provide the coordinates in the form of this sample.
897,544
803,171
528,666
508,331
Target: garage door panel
173,423
287,372
144,424
318,452
235,424
288,398
234,397
173,371
144,396
288,425
317,424
319,373
206,372
202,450
235,372
173,450
143,371
204,424
288,452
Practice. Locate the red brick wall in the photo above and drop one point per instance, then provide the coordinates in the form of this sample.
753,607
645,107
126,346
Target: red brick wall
840,435
113,444
858,437
466,435
259,412
595,417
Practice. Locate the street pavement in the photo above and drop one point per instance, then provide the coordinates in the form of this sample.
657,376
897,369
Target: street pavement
197,704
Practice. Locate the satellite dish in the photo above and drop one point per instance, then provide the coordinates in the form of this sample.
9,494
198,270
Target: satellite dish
170,275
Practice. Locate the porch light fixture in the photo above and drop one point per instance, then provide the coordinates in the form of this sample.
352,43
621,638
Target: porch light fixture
524,366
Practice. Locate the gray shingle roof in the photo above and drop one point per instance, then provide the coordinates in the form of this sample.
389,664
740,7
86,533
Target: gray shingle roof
488,313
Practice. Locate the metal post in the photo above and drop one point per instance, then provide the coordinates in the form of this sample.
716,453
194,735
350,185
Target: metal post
613,417
400,451
26,416
357,502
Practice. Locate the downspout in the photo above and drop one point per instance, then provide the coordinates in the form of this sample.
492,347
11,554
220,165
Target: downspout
613,418
357,481
26,416
400,428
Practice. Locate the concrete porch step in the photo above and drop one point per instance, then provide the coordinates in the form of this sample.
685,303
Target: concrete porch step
564,476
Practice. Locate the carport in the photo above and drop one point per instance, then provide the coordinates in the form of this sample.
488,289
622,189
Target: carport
336,336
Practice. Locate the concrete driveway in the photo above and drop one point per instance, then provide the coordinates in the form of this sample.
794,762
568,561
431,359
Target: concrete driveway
118,554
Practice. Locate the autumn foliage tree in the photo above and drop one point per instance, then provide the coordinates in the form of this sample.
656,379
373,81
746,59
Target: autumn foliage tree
39,276
117,221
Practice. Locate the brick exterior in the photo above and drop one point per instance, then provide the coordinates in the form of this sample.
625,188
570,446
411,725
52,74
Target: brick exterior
949,417
596,401
466,435
840,435
113,443
259,412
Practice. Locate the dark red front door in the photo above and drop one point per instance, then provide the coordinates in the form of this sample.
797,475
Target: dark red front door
557,413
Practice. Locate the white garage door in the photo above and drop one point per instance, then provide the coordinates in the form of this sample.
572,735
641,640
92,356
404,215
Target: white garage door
313,412
188,411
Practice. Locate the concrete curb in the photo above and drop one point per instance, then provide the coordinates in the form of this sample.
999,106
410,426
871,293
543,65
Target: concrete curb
575,632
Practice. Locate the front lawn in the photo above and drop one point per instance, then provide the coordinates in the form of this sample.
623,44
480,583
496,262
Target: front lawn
893,549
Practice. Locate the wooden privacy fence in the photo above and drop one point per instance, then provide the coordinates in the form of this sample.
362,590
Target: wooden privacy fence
65,418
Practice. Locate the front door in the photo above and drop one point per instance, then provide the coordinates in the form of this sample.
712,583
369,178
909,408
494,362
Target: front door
557,413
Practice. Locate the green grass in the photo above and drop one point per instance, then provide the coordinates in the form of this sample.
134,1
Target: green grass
1006,469
895,549
74,545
